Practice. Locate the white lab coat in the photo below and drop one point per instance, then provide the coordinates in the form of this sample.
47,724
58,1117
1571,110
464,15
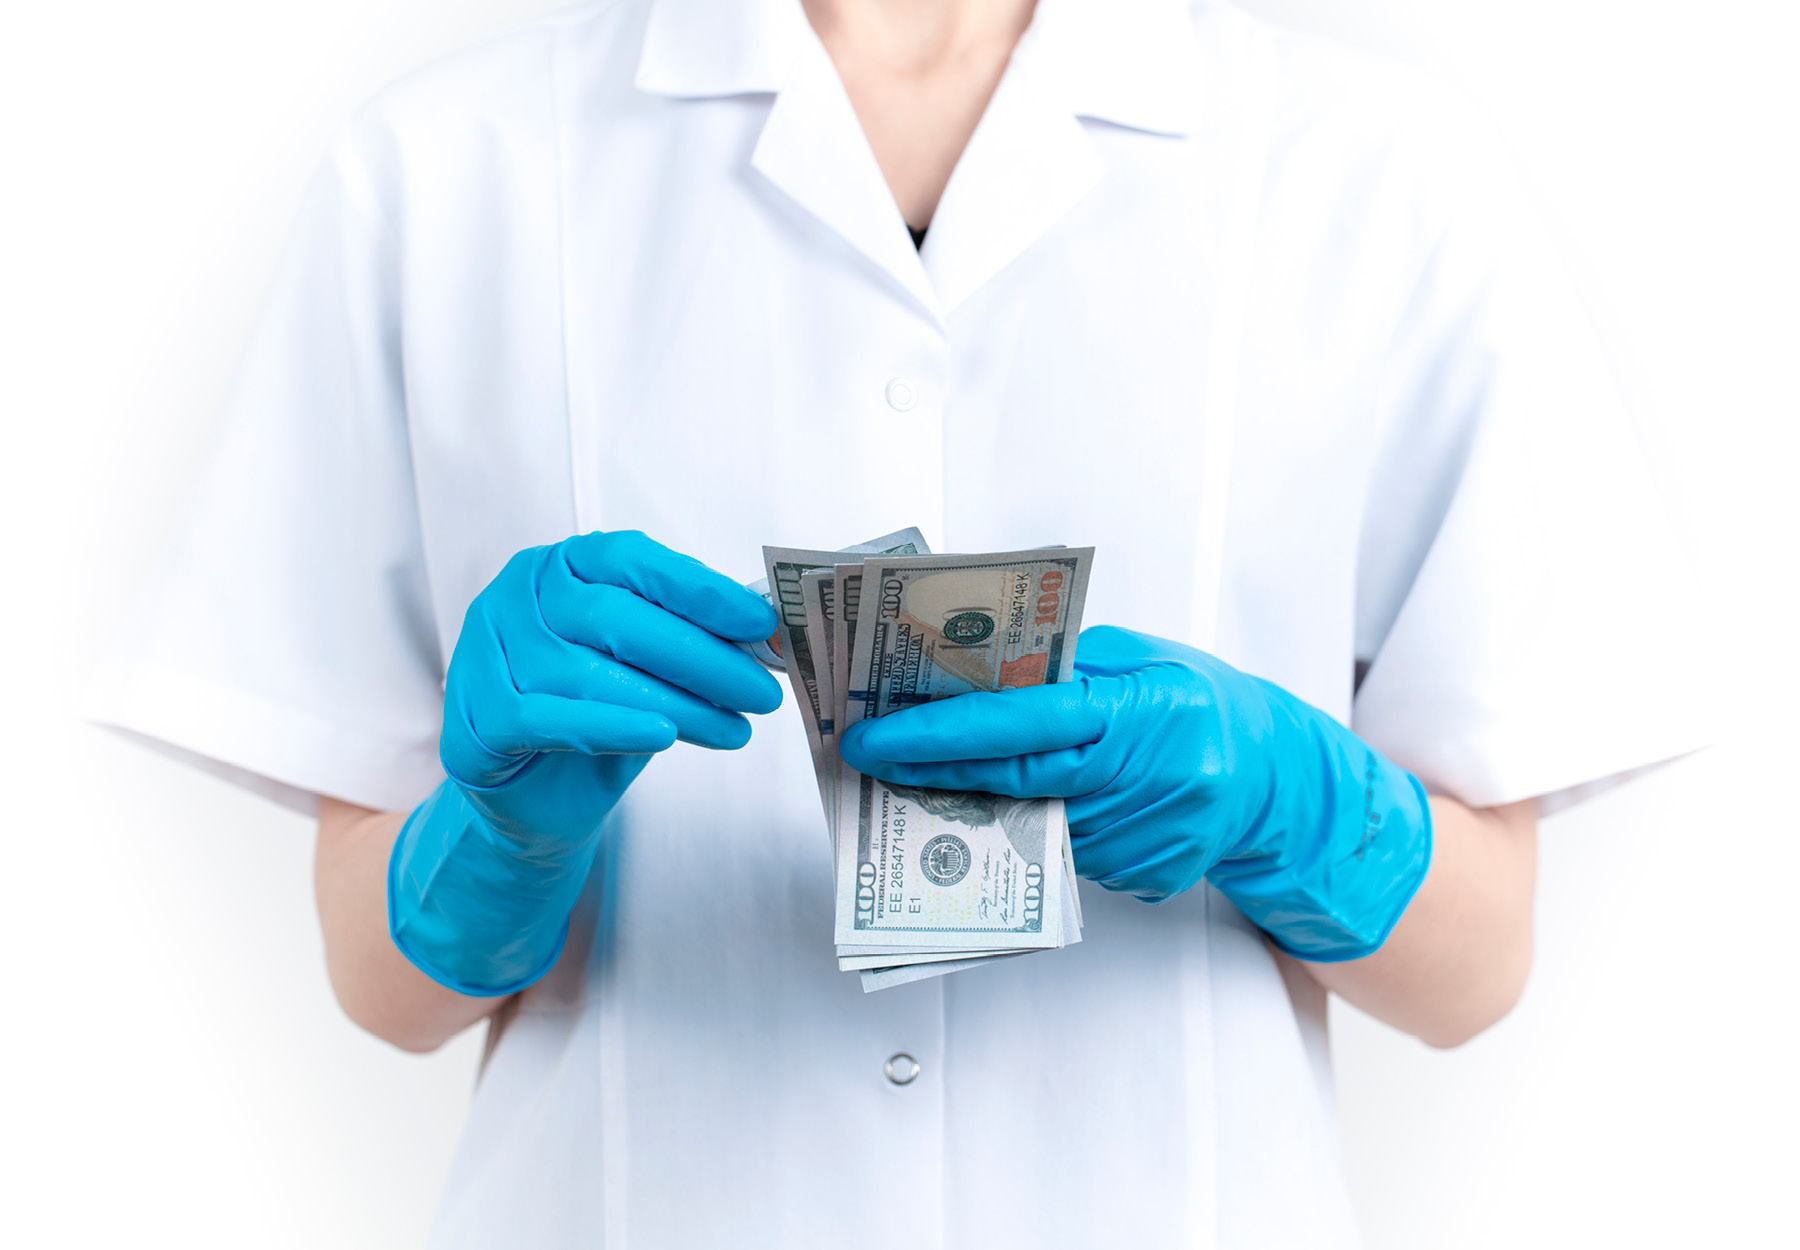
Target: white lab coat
1251,315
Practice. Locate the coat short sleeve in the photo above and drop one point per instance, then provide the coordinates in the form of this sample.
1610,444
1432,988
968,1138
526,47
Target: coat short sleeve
286,640
1524,611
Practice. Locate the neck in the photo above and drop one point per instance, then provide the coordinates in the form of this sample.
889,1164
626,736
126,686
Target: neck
918,36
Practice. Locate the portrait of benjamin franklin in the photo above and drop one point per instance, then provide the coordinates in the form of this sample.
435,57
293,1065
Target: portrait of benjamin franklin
1025,821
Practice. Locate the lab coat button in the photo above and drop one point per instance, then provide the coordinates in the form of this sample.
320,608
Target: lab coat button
902,395
903,1069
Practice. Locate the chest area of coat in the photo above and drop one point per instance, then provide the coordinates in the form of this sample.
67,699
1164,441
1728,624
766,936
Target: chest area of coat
810,401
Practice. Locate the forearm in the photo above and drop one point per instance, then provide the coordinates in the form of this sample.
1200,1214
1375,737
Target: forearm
1457,960
374,983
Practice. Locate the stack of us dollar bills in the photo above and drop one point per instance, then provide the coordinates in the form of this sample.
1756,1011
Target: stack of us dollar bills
929,881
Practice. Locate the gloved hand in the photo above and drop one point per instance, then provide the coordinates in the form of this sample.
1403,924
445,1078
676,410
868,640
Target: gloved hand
1176,767
576,664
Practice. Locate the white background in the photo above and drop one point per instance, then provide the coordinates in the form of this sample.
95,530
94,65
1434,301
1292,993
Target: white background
172,1065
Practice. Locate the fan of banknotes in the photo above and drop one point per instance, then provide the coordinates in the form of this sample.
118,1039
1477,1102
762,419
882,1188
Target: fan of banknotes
929,881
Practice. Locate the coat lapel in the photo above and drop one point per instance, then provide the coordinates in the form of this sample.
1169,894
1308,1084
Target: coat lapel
813,148
1028,163
1031,160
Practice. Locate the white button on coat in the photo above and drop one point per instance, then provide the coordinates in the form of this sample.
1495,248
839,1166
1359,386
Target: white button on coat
635,267
901,395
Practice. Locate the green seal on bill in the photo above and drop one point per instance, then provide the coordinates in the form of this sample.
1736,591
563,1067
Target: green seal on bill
966,629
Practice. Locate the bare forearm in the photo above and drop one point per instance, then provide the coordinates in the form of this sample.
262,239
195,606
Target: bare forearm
374,983
1457,961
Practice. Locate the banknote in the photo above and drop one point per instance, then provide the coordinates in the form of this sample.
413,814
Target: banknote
818,593
941,869
848,579
771,650
874,979
929,882
883,961
791,644
934,870
818,603
936,626
875,963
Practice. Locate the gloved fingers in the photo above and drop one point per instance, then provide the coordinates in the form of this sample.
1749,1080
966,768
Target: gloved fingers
619,623
548,722
486,743
683,585
1108,651
1152,847
501,656
551,666
980,726
1120,862
1050,774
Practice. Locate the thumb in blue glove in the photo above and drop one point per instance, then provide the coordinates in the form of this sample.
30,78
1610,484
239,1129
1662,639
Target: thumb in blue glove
576,664
1177,767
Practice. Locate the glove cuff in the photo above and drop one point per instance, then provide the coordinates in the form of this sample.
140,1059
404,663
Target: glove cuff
466,911
1341,848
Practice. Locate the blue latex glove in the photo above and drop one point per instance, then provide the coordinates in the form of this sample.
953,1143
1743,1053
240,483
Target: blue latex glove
575,665
1178,767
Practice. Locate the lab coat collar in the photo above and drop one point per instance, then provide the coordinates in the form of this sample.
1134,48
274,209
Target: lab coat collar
813,149
1127,62
694,49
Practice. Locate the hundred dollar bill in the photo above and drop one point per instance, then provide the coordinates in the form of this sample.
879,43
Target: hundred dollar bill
937,869
930,869
771,650
785,567
932,627
1072,918
843,636
874,979
882,972
849,595
818,596
853,958
874,963
791,643
818,593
